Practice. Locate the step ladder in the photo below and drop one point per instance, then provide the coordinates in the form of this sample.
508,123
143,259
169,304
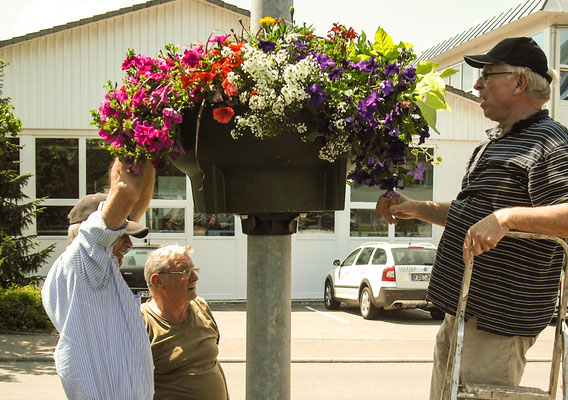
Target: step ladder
453,389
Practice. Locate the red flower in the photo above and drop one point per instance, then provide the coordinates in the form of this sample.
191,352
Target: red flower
230,88
223,114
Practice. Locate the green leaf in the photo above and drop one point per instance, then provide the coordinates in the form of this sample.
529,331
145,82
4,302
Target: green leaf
383,42
448,72
425,67
428,112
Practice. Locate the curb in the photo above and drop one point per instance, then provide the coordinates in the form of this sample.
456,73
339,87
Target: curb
297,360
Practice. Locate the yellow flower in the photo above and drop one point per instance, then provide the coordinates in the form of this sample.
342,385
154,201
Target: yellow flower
267,21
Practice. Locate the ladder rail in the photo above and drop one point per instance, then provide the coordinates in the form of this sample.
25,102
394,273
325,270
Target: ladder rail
451,383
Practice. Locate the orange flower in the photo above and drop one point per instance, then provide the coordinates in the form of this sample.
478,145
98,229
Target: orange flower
186,80
223,114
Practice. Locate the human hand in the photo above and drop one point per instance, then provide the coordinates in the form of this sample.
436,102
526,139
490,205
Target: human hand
395,207
485,234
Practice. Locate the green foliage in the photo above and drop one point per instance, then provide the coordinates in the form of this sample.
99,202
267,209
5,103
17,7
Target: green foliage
21,310
17,261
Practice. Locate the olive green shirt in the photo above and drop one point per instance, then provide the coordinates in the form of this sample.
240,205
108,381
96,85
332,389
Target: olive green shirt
185,355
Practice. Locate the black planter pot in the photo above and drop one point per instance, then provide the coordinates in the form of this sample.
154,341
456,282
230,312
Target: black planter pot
252,176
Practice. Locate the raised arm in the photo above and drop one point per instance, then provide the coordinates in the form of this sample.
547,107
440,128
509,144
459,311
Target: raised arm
406,208
129,194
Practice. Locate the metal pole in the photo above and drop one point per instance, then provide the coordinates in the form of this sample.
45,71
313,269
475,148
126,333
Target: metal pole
268,8
269,282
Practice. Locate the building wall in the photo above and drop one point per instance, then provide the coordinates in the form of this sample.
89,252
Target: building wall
54,80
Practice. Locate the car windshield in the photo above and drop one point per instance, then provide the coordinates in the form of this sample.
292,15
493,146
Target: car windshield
137,257
414,256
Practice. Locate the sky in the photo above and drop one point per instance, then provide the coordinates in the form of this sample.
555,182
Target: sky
423,23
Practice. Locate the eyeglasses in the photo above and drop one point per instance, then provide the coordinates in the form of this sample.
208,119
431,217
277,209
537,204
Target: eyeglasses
186,272
486,75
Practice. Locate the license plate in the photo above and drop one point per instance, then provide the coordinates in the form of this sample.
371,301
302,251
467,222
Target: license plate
420,277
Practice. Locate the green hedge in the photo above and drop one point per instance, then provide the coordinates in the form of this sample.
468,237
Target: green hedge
21,310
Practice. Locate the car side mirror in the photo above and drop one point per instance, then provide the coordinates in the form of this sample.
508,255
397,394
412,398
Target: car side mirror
336,262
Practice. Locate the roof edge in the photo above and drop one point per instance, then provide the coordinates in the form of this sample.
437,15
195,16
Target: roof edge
111,14
463,94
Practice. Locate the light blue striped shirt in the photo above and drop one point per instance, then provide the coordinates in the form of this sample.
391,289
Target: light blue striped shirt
103,350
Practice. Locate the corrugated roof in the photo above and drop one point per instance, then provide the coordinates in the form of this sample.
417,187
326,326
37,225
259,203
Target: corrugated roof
111,14
520,11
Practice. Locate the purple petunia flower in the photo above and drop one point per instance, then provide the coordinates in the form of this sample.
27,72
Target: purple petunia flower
323,60
424,134
300,46
317,96
336,73
409,74
394,132
368,107
387,88
365,66
266,46
396,150
418,172
391,69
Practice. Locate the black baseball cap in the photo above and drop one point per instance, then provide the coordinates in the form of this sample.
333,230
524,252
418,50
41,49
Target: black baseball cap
519,51
89,204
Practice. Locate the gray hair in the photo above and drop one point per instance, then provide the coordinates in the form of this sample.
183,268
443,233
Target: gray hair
538,88
72,232
159,260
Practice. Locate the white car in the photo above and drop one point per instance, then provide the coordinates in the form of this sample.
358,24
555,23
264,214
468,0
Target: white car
384,276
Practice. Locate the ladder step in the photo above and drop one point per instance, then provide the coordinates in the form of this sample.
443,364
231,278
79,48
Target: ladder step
495,392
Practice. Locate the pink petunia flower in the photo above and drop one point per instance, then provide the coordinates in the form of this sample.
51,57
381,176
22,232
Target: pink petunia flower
192,57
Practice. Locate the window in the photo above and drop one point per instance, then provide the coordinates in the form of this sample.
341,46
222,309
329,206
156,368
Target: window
170,183
53,220
213,224
99,162
455,80
166,220
380,257
564,64
350,258
365,256
317,222
57,168
365,223
57,177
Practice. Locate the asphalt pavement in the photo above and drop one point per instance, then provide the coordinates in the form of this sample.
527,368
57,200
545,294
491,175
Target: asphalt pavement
335,354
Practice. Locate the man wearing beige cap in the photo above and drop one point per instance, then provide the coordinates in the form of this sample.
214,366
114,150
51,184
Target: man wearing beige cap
516,179
103,350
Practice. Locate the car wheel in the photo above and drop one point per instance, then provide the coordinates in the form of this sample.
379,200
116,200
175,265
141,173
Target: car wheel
437,314
328,299
368,309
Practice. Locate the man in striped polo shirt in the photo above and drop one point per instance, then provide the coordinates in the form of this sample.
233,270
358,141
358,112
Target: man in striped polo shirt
103,350
516,179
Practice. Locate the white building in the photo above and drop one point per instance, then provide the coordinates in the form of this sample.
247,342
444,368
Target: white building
56,76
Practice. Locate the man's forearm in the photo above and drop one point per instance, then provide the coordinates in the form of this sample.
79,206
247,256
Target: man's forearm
128,193
146,190
434,212
547,220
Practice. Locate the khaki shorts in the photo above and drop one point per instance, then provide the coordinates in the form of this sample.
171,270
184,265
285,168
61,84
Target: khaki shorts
486,357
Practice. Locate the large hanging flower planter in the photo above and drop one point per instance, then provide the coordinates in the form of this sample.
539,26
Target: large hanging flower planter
280,174
283,111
